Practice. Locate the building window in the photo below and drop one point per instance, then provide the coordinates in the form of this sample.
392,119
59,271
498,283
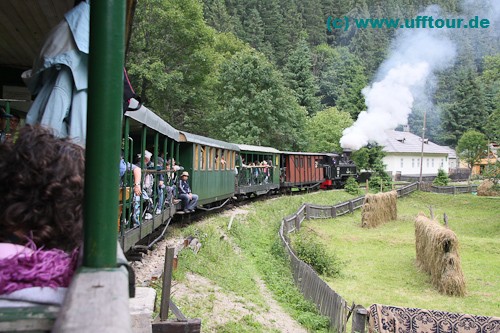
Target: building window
427,162
442,163
412,162
432,163
401,163
418,162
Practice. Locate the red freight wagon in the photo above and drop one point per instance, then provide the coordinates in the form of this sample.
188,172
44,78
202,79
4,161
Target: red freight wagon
301,170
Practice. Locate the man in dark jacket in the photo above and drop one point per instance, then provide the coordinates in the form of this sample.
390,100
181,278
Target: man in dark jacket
189,199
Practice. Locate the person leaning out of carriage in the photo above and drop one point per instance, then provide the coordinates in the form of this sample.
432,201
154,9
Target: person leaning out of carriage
189,199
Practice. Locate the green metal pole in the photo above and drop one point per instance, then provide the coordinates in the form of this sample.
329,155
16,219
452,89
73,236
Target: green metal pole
107,22
125,201
155,161
7,110
178,147
143,167
172,152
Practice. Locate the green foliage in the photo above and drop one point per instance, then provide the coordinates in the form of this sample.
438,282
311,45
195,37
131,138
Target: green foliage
341,76
171,61
441,179
492,173
491,81
471,147
180,49
352,186
300,79
256,107
314,253
247,324
370,158
324,130
466,111
379,183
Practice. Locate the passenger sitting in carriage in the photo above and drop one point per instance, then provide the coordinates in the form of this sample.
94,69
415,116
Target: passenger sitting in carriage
189,199
147,190
41,216
171,186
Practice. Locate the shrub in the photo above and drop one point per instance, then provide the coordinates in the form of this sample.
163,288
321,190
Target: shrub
376,182
492,173
352,186
314,253
441,179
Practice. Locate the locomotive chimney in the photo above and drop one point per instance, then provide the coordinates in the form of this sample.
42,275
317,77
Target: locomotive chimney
346,155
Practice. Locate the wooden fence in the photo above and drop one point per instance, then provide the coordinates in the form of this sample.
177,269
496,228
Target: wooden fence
328,302
458,189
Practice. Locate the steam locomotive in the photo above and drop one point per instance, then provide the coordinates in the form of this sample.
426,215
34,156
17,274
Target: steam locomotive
337,169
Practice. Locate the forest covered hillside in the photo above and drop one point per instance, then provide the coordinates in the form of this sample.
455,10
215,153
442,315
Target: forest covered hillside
279,73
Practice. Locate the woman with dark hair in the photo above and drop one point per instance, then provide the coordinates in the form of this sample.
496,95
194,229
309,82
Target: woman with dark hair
41,213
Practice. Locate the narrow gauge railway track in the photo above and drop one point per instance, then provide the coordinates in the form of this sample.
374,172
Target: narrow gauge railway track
136,252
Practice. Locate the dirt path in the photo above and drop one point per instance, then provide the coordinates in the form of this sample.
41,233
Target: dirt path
223,306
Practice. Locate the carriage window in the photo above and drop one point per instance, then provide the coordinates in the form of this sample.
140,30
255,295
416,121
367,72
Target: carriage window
203,157
277,160
224,157
217,159
296,161
302,162
196,156
309,162
211,157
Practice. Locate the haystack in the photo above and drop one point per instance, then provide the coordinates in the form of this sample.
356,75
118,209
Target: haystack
437,255
487,188
378,209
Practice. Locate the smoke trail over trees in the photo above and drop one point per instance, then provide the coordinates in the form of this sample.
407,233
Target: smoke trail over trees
416,55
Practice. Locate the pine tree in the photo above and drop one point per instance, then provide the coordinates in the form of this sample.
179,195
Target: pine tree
314,19
467,111
341,78
299,77
216,15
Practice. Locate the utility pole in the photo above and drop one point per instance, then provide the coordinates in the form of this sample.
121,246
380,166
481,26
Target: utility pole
422,151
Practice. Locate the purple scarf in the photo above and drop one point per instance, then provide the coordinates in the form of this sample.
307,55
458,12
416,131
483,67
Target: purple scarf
42,268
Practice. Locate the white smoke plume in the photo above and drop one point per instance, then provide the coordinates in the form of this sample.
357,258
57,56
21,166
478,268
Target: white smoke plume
416,54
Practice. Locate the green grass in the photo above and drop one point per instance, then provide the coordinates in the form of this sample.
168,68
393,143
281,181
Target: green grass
246,324
252,250
380,263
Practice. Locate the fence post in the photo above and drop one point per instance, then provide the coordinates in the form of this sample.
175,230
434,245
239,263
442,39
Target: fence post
297,222
359,319
308,211
167,283
454,190
351,206
334,212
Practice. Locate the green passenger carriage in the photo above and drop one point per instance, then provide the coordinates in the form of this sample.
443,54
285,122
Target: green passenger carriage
211,165
143,129
258,170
